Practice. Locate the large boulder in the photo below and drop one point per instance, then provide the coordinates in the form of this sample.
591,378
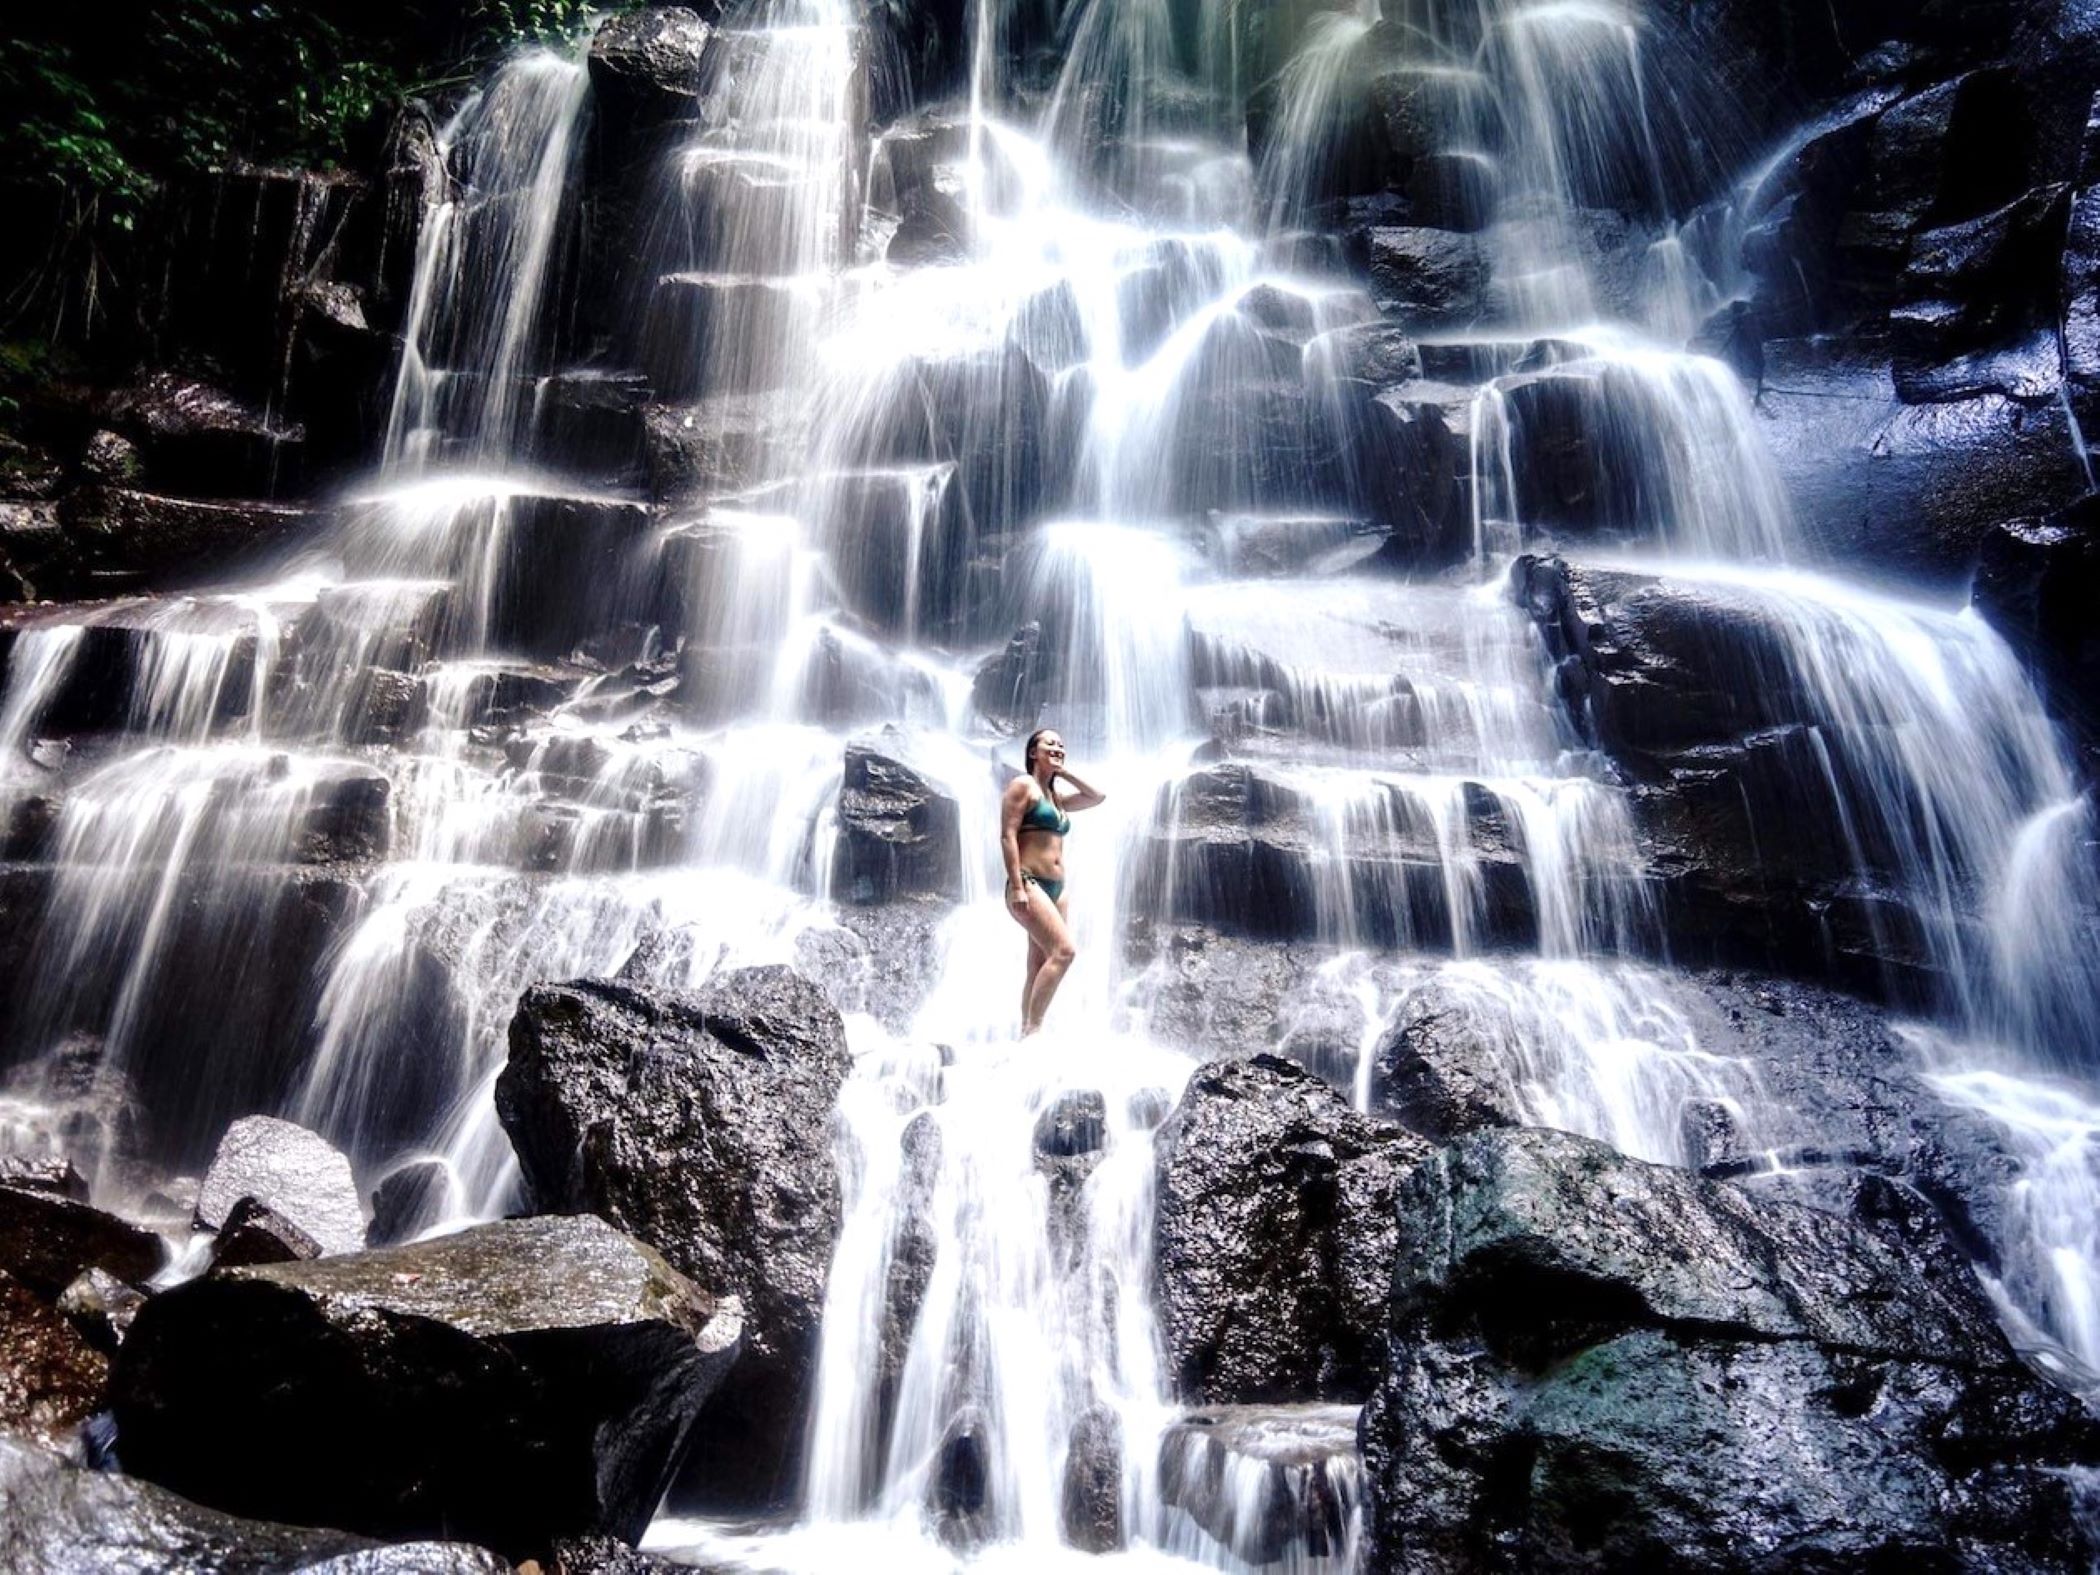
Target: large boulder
290,1171
65,1520
47,1239
898,834
1091,1501
1602,1362
1794,1090
646,65
1274,1235
702,1123
1758,785
1428,278
513,1383
1914,488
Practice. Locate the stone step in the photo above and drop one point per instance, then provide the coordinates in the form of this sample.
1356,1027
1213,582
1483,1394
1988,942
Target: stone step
537,569
1269,1484
1417,861
786,206
592,422
709,333
718,444
147,540
167,666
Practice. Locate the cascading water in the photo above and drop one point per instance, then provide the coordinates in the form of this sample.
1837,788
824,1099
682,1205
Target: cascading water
559,729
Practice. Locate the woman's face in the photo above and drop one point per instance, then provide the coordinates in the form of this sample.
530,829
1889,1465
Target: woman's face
1049,751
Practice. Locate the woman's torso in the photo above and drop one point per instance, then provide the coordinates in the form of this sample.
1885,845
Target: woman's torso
1043,828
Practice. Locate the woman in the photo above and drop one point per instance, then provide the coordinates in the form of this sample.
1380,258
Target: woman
1034,819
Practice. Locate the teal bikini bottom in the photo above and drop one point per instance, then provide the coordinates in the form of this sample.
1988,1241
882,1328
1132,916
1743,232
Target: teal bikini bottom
1053,889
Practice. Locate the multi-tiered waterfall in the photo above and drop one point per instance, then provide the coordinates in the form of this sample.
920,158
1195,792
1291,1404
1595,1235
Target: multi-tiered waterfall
1058,356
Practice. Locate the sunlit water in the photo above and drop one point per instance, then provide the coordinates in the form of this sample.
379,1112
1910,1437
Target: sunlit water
1102,408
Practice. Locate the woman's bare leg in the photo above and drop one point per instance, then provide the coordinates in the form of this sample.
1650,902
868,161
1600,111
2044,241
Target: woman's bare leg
1046,929
1035,966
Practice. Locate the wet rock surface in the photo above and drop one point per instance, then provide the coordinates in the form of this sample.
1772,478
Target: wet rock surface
66,1520
1271,1484
101,1307
48,1239
287,1171
410,1200
255,1235
646,64
605,1556
512,1383
1092,1504
1700,697
605,1081
1274,1235
51,1378
1621,1357
1241,847
1919,328
898,834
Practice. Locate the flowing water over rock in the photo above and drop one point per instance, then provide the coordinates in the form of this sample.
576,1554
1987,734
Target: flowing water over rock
1055,404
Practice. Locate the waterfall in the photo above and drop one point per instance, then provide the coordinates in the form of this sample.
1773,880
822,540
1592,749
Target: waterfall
1037,409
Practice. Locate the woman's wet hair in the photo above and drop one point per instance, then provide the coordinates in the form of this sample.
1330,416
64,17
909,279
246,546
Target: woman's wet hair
1028,749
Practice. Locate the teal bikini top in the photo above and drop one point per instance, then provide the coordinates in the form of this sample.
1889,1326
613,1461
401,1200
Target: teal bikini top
1044,815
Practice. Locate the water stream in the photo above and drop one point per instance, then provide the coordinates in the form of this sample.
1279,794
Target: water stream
558,723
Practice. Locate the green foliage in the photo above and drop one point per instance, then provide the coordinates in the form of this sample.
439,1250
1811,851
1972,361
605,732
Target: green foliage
110,101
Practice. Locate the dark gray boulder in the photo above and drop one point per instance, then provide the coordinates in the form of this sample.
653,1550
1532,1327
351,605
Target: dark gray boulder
914,1250
51,1379
64,1520
47,1239
1092,1502
1601,1363
898,834
292,1172
1435,1070
254,1235
1700,697
1428,278
646,65
1274,1485
412,1198
1069,1138
701,1122
1274,1235
1801,1092
1239,846
513,1383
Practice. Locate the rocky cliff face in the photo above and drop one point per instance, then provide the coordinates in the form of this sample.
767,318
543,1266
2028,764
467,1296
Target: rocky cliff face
1441,458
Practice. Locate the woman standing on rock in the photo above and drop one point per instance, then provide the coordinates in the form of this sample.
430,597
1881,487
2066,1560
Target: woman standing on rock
1034,819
